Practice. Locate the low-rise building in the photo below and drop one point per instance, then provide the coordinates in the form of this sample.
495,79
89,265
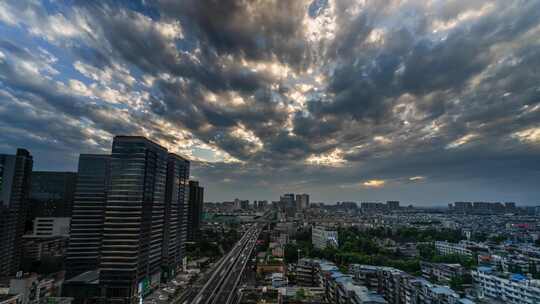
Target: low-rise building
84,288
446,248
38,248
301,295
35,289
350,293
510,288
10,299
441,272
361,295
277,279
307,272
365,275
322,237
51,226
399,287
513,263
336,287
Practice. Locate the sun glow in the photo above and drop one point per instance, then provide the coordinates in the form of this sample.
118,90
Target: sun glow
331,159
374,183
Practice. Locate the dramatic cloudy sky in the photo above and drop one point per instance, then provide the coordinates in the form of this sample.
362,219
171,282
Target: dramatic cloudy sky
424,101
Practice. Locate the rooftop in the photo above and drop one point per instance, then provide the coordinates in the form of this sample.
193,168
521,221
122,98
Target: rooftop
518,277
5,297
444,290
91,277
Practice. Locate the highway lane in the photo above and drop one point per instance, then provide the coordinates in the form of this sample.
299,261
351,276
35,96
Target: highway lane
209,288
223,281
206,283
227,291
191,292
236,277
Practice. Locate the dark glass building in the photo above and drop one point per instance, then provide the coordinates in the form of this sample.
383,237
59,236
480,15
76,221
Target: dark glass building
195,209
131,250
88,214
15,179
176,211
52,194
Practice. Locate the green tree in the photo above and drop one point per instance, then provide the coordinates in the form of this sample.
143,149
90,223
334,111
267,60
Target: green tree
300,294
479,237
513,268
427,251
291,253
457,283
533,270
497,239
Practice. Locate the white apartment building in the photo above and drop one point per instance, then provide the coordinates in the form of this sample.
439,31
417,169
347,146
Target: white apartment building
446,248
512,289
51,226
399,287
322,237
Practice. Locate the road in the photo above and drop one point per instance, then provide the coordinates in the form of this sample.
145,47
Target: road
221,287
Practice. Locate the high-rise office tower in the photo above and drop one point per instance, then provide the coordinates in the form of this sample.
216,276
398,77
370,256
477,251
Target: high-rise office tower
52,194
302,201
88,214
510,205
134,213
15,179
237,204
392,205
195,208
260,205
287,200
176,212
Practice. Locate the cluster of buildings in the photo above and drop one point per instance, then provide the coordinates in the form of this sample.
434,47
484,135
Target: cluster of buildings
397,286
442,272
115,229
482,207
504,287
501,244
463,248
507,273
322,237
379,207
237,206
288,205
318,282
496,279
366,284
289,200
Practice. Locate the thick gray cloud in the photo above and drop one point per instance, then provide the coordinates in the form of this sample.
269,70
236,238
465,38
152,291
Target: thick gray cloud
276,96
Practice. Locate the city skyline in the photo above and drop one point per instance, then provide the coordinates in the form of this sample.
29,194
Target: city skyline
357,200
288,197
425,102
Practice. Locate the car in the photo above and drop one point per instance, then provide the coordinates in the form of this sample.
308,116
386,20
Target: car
163,298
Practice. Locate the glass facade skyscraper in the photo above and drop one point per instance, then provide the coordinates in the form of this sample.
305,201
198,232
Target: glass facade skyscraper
52,194
131,250
195,209
15,178
88,213
176,211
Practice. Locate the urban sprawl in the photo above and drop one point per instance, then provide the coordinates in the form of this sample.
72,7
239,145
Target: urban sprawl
132,227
